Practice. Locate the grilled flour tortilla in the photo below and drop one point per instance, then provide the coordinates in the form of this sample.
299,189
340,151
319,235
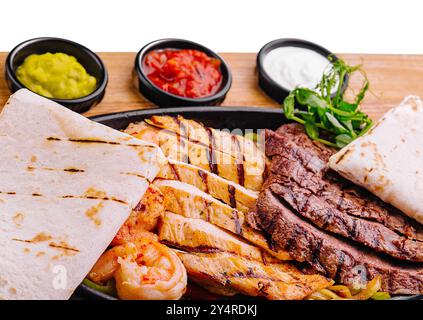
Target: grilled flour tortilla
388,160
67,184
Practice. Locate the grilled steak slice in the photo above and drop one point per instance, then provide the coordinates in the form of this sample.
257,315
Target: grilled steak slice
369,233
311,171
338,259
333,204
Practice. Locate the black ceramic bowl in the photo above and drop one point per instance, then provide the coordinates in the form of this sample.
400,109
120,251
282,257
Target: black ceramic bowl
91,62
166,99
268,85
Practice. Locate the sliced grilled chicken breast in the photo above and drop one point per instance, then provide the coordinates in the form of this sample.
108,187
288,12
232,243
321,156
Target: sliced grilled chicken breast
227,191
230,156
189,201
196,235
250,277
246,261
233,144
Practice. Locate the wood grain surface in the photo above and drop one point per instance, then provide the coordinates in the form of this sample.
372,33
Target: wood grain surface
392,77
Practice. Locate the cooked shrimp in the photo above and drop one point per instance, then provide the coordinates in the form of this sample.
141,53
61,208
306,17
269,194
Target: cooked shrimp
154,273
144,217
106,266
143,270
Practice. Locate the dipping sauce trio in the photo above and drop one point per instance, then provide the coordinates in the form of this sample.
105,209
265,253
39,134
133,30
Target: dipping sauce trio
172,72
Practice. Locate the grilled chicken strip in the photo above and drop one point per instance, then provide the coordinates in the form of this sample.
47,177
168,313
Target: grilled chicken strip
250,277
243,268
227,191
196,235
230,156
234,144
188,201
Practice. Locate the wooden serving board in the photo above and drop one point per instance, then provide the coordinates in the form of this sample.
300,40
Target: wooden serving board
392,77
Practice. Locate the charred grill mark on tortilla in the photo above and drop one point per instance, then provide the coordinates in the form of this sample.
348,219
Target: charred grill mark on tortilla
94,198
74,140
75,197
135,174
8,192
63,247
70,170
73,170
343,156
51,244
21,240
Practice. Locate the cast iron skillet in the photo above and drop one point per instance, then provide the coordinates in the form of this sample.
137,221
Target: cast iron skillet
220,118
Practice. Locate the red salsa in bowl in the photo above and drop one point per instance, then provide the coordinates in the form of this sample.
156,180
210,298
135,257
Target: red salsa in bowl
183,72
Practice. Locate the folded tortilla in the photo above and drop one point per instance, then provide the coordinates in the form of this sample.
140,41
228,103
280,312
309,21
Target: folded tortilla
388,160
67,184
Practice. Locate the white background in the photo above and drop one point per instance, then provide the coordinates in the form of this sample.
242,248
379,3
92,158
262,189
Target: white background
359,26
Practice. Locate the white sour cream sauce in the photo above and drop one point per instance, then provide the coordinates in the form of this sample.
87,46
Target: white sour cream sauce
293,67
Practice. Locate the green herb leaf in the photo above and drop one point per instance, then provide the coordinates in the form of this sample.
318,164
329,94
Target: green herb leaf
312,130
324,112
346,106
335,123
342,140
288,106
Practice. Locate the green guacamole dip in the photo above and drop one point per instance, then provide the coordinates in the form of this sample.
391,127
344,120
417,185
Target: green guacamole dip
56,75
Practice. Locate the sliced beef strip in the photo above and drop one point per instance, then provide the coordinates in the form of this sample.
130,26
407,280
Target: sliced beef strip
336,258
323,215
304,161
